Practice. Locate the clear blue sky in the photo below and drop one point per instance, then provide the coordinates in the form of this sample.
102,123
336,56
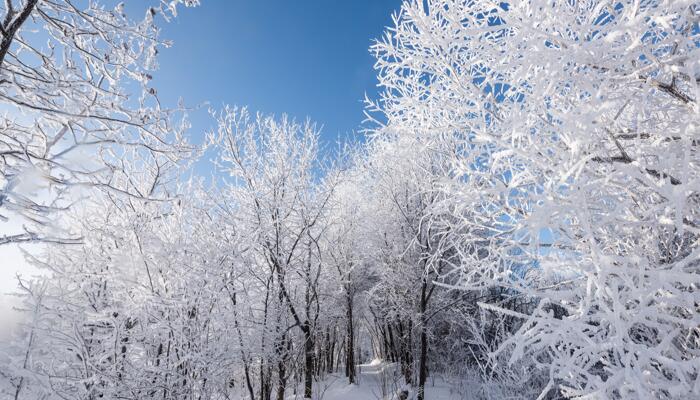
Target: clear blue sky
306,58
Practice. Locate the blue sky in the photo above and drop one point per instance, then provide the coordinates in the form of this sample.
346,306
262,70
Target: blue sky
306,58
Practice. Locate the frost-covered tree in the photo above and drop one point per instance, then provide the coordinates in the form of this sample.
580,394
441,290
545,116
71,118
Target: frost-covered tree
271,195
580,161
76,100
411,222
129,312
348,248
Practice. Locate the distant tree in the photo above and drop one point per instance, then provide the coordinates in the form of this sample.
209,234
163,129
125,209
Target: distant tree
348,248
271,194
411,222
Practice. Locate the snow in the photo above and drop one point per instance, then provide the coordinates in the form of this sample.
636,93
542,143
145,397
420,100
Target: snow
378,380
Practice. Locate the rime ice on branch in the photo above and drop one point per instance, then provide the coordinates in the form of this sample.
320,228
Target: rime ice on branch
79,111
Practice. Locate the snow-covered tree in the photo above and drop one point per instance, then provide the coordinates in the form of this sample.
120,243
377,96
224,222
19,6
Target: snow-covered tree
411,224
76,100
349,249
129,312
271,195
580,160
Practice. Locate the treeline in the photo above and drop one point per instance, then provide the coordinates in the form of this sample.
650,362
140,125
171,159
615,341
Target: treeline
263,284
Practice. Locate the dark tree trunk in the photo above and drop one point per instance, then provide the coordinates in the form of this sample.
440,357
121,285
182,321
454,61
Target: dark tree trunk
423,369
281,366
11,25
392,344
405,349
244,357
248,382
350,343
331,352
408,351
308,360
281,380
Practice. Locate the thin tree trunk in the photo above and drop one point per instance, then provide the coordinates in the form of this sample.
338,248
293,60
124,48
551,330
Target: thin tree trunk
265,376
308,360
392,344
423,369
331,351
26,361
244,357
350,342
281,367
407,350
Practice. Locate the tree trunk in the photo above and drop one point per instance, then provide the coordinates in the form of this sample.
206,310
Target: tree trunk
244,358
265,363
281,367
331,352
11,25
350,343
408,351
392,344
423,369
308,360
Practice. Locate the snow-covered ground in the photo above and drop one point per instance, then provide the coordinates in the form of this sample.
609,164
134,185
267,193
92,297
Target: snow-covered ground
379,381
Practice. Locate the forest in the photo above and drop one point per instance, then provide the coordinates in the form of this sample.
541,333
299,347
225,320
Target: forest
520,218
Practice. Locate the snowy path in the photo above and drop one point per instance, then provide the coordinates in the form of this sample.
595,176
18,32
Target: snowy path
376,380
